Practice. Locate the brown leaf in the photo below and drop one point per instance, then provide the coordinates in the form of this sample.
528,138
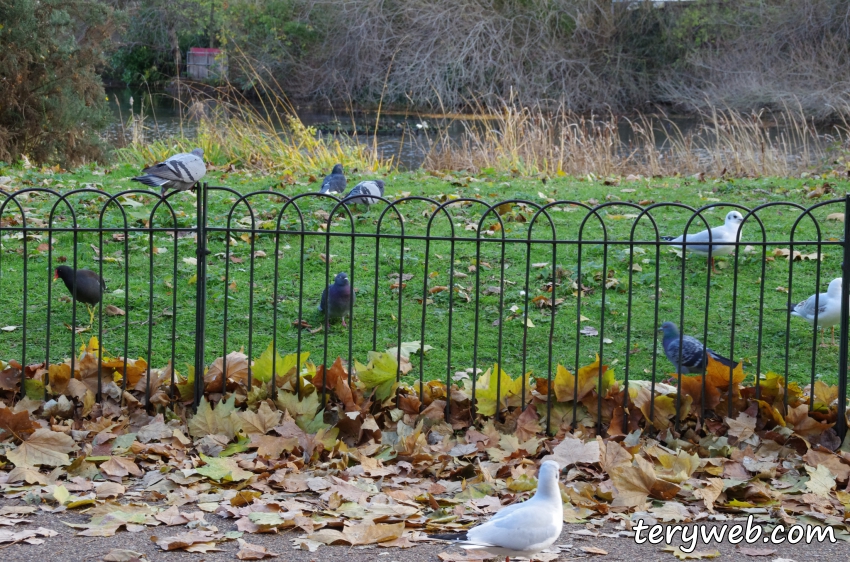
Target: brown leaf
271,446
18,425
186,540
262,421
710,492
113,310
249,551
45,447
121,466
371,533
593,550
171,516
571,451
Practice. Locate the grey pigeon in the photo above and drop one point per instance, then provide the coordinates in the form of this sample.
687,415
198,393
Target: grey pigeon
693,351
335,182
365,193
522,529
181,172
341,298
723,239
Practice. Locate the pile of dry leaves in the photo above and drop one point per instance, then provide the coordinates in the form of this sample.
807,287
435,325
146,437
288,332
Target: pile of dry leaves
360,458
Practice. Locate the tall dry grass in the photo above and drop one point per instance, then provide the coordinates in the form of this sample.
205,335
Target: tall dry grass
266,135
532,141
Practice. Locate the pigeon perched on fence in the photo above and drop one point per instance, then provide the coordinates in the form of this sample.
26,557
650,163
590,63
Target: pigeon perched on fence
365,193
693,351
522,529
828,308
723,239
181,172
337,299
335,182
84,284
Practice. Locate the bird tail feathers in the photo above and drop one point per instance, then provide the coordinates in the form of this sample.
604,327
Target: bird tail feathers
723,360
450,536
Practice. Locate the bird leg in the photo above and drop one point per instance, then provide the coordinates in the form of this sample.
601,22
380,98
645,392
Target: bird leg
713,270
344,325
91,315
833,336
823,337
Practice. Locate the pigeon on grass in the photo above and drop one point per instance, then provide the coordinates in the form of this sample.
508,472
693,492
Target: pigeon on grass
180,172
723,239
337,299
828,306
522,529
334,182
693,351
365,193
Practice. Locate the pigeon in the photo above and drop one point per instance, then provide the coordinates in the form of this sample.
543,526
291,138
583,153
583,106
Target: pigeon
181,172
341,298
335,182
89,286
693,352
522,529
723,239
828,307
358,194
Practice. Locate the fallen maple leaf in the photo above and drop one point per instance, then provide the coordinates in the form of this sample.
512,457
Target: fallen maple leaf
249,551
45,447
695,555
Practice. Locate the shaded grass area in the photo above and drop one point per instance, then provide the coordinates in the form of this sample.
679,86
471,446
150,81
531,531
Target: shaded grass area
256,285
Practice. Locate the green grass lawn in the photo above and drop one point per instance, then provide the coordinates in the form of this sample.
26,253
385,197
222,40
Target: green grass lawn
160,302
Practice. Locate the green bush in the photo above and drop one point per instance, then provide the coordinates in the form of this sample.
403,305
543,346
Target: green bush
52,103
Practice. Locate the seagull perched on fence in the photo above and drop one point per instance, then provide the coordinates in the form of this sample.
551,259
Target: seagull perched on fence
522,529
365,193
723,239
181,172
693,351
335,182
337,299
828,308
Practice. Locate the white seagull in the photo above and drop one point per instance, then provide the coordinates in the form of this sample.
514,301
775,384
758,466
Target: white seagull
828,309
521,529
723,239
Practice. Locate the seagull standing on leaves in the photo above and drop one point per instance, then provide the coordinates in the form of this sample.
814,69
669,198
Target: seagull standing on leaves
522,529
828,307
335,182
181,172
693,351
365,193
723,239
337,299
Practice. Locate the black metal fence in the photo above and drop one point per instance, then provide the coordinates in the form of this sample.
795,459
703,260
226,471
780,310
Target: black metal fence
527,285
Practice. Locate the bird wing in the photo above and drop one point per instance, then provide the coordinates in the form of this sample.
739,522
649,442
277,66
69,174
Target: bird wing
806,308
323,300
183,167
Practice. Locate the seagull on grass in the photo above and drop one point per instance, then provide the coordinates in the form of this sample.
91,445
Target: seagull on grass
522,529
180,172
828,306
693,351
723,239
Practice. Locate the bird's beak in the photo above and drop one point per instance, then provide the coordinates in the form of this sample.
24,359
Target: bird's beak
660,330
55,275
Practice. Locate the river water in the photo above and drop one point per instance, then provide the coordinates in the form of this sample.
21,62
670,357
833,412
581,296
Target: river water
403,136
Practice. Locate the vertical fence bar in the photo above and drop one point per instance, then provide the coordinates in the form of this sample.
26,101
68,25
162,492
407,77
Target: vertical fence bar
200,294
841,422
